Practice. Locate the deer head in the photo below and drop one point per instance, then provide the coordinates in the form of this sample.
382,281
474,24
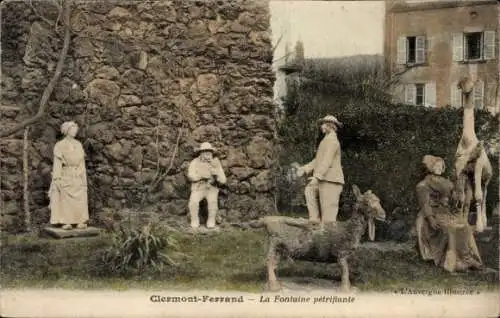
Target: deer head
466,84
369,205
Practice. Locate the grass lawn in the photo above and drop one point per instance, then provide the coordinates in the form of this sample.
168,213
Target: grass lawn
228,260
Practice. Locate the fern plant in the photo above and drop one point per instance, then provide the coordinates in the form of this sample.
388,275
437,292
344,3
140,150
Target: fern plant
136,250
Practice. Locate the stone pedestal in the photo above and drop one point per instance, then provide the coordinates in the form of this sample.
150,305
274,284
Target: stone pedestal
60,233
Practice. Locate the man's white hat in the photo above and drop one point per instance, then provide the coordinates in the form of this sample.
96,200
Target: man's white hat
331,119
206,146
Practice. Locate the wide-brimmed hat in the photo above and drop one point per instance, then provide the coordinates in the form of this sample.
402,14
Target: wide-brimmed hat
331,119
206,146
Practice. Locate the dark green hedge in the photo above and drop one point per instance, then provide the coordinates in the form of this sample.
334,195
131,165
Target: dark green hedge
383,144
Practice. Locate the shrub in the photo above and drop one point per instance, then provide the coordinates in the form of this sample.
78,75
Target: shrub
135,250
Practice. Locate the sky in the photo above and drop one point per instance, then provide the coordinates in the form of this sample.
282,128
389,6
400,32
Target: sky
328,28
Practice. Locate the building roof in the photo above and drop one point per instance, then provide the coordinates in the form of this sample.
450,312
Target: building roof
420,5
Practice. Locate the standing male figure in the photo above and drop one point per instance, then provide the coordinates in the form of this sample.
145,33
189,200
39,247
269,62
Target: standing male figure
328,178
205,173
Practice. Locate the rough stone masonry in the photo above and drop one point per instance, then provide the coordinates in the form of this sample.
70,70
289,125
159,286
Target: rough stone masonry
137,75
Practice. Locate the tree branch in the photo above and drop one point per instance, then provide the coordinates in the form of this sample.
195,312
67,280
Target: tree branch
53,81
49,22
277,43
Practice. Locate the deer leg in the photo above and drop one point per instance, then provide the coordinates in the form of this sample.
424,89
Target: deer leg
478,173
482,220
467,200
460,191
345,283
272,262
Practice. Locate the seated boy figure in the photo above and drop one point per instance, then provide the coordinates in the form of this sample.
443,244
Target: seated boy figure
205,174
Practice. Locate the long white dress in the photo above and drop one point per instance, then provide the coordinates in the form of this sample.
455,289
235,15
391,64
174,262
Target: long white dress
68,189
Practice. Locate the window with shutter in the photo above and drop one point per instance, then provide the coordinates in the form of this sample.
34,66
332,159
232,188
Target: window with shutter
401,47
478,94
458,46
455,95
430,94
420,94
489,45
410,93
473,44
420,49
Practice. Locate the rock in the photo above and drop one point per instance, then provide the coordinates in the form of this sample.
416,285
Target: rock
101,132
103,92
60,233
236,158
256,121
239,187
136,158
63,89
115,151
210,133
263,182
242,173
33,80
205,88
119,12
260,152
11,208
197,29
108,72
39,48
139,60
156,68
264,205
239,28
177,207
9,89
83,47
127,100
8,222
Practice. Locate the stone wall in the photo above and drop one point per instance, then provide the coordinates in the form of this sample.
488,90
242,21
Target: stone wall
138,74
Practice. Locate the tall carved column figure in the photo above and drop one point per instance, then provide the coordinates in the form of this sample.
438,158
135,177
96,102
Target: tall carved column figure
68,189
473,170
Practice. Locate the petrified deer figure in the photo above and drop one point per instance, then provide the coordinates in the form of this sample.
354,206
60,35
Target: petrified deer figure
472,170
299,239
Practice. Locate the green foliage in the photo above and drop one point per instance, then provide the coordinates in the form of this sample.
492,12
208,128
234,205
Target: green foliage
382,143
134,251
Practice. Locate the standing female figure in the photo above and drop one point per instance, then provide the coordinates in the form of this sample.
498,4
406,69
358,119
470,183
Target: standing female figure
68,189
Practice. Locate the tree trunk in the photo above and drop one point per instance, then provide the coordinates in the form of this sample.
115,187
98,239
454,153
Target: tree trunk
26,194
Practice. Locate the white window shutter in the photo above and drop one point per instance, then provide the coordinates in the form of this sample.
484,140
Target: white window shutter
455,95
401,54
420,49
410,94
430,94
458,46
478,94
489,45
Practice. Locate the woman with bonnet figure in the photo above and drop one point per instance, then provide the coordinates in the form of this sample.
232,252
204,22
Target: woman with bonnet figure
444,236
68,189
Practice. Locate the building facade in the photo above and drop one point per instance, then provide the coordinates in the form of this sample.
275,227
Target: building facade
432,44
